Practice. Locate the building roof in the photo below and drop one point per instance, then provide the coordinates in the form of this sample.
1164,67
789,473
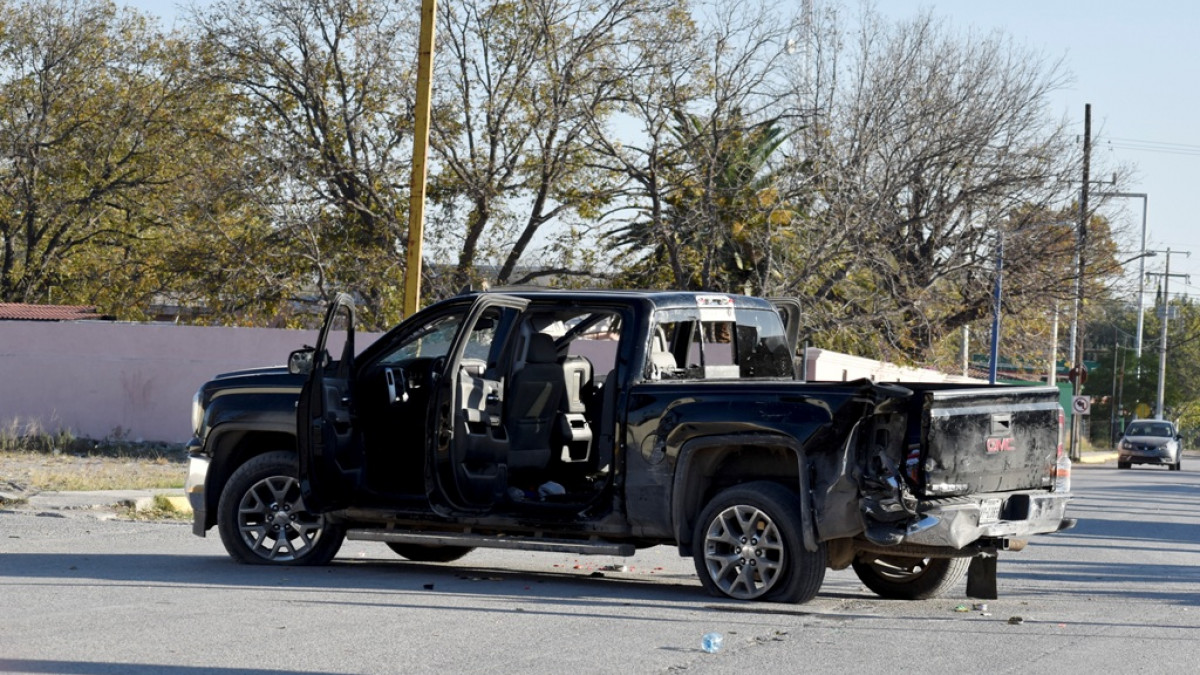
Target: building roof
15,311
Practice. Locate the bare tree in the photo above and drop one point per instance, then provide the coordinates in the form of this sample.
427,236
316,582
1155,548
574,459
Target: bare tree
527,79
929,144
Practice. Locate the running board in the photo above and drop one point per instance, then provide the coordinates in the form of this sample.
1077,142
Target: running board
597,547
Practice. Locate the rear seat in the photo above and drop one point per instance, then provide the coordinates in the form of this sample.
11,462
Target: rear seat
574,430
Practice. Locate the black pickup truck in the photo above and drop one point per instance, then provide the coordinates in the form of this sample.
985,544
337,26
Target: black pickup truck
600,422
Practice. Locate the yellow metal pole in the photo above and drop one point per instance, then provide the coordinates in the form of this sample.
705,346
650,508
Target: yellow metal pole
416,200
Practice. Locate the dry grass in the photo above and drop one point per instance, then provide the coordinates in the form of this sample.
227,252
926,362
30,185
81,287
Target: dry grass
34,460
44,472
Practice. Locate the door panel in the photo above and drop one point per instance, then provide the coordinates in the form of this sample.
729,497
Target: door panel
471,445
330,453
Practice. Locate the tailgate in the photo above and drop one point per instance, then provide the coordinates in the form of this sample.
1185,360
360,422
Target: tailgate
996,439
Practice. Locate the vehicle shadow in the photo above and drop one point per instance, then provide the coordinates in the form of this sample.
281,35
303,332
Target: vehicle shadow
102,668
371,577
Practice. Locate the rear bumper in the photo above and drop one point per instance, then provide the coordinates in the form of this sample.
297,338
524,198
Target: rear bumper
1021,515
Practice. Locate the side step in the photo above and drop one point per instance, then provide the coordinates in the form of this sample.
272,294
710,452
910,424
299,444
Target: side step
592,547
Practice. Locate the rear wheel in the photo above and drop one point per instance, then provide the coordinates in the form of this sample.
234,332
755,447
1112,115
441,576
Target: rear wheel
263,521
900,578
423,553
748,545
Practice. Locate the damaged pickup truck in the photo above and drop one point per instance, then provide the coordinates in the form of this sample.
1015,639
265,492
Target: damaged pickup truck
601,422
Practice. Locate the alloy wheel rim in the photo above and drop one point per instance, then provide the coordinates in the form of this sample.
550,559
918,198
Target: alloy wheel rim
274,523
744,552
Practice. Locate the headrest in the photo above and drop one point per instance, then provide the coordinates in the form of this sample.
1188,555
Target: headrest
541,349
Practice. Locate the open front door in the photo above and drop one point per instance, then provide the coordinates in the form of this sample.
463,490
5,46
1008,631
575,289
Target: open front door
470,443
330,449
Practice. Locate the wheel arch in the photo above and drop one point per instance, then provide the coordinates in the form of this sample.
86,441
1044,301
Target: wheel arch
232,447
710,464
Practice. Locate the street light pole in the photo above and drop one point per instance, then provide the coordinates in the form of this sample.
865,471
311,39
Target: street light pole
1141,302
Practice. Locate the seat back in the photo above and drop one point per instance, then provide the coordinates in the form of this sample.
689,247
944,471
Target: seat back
534,394
661,359
577,374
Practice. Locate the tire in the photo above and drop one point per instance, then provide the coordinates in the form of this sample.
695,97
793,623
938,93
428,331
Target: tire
1178,465
900,578
423,553
748,545
1122,465
262,519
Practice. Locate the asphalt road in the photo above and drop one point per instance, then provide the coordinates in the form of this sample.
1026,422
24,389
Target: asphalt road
1120,593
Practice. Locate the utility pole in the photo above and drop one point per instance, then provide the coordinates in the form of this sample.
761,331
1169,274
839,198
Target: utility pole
1078,373
1162,347
416,198
997,294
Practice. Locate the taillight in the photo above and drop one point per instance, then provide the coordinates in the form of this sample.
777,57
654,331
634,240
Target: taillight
1062,425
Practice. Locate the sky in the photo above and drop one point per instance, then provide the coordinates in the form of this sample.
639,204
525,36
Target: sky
1136,63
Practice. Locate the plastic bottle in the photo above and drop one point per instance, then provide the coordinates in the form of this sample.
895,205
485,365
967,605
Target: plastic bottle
712,642
1062,473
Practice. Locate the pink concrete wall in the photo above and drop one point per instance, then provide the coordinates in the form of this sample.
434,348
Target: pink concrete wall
95,377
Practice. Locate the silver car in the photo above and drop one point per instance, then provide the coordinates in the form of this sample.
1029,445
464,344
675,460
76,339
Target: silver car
1150,442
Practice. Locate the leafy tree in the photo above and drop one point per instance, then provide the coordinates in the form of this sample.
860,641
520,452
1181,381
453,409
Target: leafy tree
722,215
706,185
324,125
94,137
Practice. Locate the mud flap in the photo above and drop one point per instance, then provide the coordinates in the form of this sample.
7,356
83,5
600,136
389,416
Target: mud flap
981,577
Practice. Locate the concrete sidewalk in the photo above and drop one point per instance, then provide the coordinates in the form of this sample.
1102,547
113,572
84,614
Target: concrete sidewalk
103,504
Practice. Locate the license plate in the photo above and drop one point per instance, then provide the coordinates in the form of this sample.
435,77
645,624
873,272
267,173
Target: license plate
989,511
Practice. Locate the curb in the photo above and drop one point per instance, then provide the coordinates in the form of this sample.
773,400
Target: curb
177,503
101,503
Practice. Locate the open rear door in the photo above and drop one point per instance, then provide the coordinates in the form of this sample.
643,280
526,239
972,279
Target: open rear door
471,443
330,449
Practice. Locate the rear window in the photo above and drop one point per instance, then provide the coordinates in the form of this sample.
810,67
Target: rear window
703,344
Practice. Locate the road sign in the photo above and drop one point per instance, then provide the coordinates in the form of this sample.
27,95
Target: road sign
1081,405
1142,410
1078,373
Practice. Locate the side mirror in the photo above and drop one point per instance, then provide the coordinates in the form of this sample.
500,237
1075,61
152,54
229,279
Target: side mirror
300,362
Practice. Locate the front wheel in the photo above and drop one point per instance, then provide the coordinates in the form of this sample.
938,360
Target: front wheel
749,545
263,521
901,578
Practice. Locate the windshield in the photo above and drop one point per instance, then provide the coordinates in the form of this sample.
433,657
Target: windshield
1162,429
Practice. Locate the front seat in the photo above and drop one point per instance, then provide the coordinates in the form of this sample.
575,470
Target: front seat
534,394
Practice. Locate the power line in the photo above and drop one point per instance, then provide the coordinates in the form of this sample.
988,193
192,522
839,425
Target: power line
1154,146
